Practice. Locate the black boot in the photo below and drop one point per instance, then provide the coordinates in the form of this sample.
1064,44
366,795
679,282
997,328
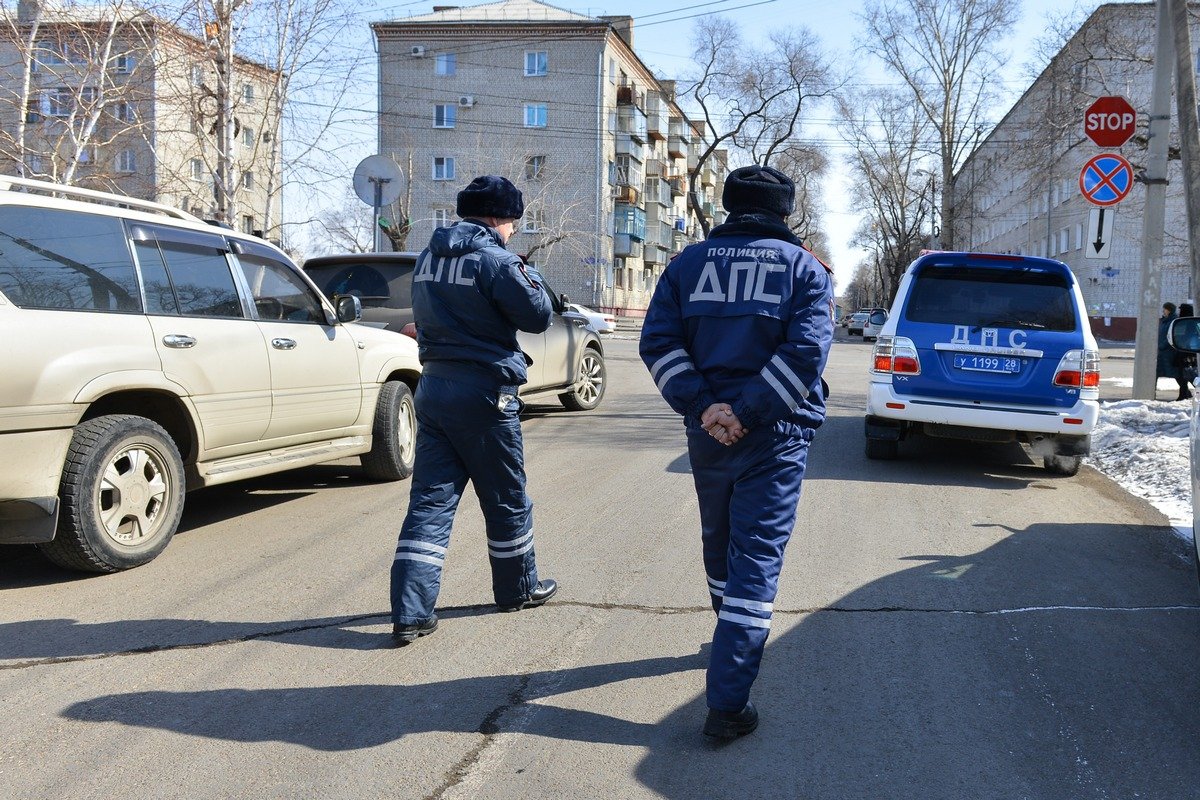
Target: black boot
407,634
731,724
540,594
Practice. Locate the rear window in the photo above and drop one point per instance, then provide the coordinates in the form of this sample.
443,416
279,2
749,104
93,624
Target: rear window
977,296
376,284
66,260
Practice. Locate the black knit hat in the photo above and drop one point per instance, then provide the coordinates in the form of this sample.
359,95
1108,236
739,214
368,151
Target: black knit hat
759,189
491,196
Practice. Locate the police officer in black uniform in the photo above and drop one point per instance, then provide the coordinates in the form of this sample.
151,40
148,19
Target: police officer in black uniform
470,297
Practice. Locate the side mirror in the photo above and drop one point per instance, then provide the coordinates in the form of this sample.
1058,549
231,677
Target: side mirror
349,307
1184,334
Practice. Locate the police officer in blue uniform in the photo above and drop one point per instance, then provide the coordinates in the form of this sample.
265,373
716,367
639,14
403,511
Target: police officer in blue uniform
736,338
470,297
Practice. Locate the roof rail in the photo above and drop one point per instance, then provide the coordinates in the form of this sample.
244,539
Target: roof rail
10,183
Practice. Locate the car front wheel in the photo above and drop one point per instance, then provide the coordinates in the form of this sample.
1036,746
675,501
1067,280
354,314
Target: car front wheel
590,383
394,435
121,492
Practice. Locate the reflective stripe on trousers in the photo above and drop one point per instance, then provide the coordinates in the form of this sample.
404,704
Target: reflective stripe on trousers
462,435
748,495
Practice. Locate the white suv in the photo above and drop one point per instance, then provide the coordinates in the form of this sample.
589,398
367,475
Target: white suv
146,353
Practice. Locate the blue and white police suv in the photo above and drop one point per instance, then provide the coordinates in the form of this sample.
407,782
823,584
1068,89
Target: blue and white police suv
990,348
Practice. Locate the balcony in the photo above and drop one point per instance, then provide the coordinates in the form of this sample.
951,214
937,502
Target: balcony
630,220
693,157
679,128
658,191
625,193
678,184
654,255
656,168
708,175
626,145
676,147
629,96
625,246
631,121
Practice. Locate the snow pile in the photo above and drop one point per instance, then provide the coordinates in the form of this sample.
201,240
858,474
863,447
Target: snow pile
1143,446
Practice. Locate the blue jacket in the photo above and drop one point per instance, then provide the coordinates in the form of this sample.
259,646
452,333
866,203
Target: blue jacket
470,297
746,318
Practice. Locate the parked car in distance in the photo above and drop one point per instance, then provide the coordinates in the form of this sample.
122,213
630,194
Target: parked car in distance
160,354
1184,335
603,322
875,321
858,321
990,348
567,359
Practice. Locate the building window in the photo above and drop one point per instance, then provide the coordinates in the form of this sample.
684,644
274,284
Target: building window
123,112
444,116
535,115
248,92
534,222
197,169
197,75
1064,240
443,169
248,223
534,167
1078,237
248,179
537,63
126,161
446,64
59,102
123,65
441,218
612,70
87,155
248,136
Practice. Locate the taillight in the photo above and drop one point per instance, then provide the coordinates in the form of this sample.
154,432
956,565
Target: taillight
410,330
1078,369
895,355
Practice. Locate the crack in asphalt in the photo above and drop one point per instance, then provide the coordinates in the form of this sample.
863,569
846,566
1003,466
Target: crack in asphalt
452,611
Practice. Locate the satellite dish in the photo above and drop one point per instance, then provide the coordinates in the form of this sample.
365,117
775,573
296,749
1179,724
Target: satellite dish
381,172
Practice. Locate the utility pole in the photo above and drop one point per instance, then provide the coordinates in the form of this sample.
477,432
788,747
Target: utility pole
1189,133
1154,218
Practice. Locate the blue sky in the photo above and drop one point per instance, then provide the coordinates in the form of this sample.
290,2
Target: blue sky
662,29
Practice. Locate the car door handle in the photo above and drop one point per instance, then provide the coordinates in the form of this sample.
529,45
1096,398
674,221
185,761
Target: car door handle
178,341
283,344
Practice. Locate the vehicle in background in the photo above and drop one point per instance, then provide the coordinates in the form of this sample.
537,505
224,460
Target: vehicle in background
160,354
989,348
566,360
858,321
874,323
603,322
1184,335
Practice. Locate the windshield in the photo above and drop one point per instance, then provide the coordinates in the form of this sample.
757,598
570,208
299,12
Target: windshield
990,297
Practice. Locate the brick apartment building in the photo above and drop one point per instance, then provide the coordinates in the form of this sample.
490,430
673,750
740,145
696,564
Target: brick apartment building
560,103
115,99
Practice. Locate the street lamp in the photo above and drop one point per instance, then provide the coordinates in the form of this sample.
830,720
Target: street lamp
935,232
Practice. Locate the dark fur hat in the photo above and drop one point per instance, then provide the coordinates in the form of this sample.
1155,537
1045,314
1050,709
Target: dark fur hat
759,188
491,196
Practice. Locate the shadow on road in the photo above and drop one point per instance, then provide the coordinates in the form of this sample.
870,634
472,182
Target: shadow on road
1057,663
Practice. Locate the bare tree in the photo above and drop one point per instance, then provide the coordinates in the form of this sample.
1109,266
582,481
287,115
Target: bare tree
751,99
946,52
890,187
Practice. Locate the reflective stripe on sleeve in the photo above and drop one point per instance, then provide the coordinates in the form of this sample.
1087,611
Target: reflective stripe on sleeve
667,359
671,373
778,387
783,369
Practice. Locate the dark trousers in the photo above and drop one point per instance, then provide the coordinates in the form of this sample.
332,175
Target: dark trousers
465,433
748,495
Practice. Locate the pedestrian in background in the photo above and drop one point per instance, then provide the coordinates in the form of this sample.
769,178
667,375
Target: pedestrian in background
736,337
470,297
1165,363
1185,363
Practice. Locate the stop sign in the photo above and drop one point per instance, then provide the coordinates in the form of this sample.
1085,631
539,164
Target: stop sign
1110,121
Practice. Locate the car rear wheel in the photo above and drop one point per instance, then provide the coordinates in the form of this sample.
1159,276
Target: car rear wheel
394,435
882,449
590,383
121,493
1063,465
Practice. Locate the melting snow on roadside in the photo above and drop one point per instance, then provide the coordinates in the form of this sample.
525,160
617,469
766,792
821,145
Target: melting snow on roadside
1143,446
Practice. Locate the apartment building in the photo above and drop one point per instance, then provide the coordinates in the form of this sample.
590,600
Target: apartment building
1018,192
115,99
560,103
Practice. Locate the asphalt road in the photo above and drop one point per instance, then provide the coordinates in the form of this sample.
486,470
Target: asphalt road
955,624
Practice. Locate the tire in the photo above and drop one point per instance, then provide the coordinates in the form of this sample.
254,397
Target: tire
1063,465
393,435
590,383
121,495
882,449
